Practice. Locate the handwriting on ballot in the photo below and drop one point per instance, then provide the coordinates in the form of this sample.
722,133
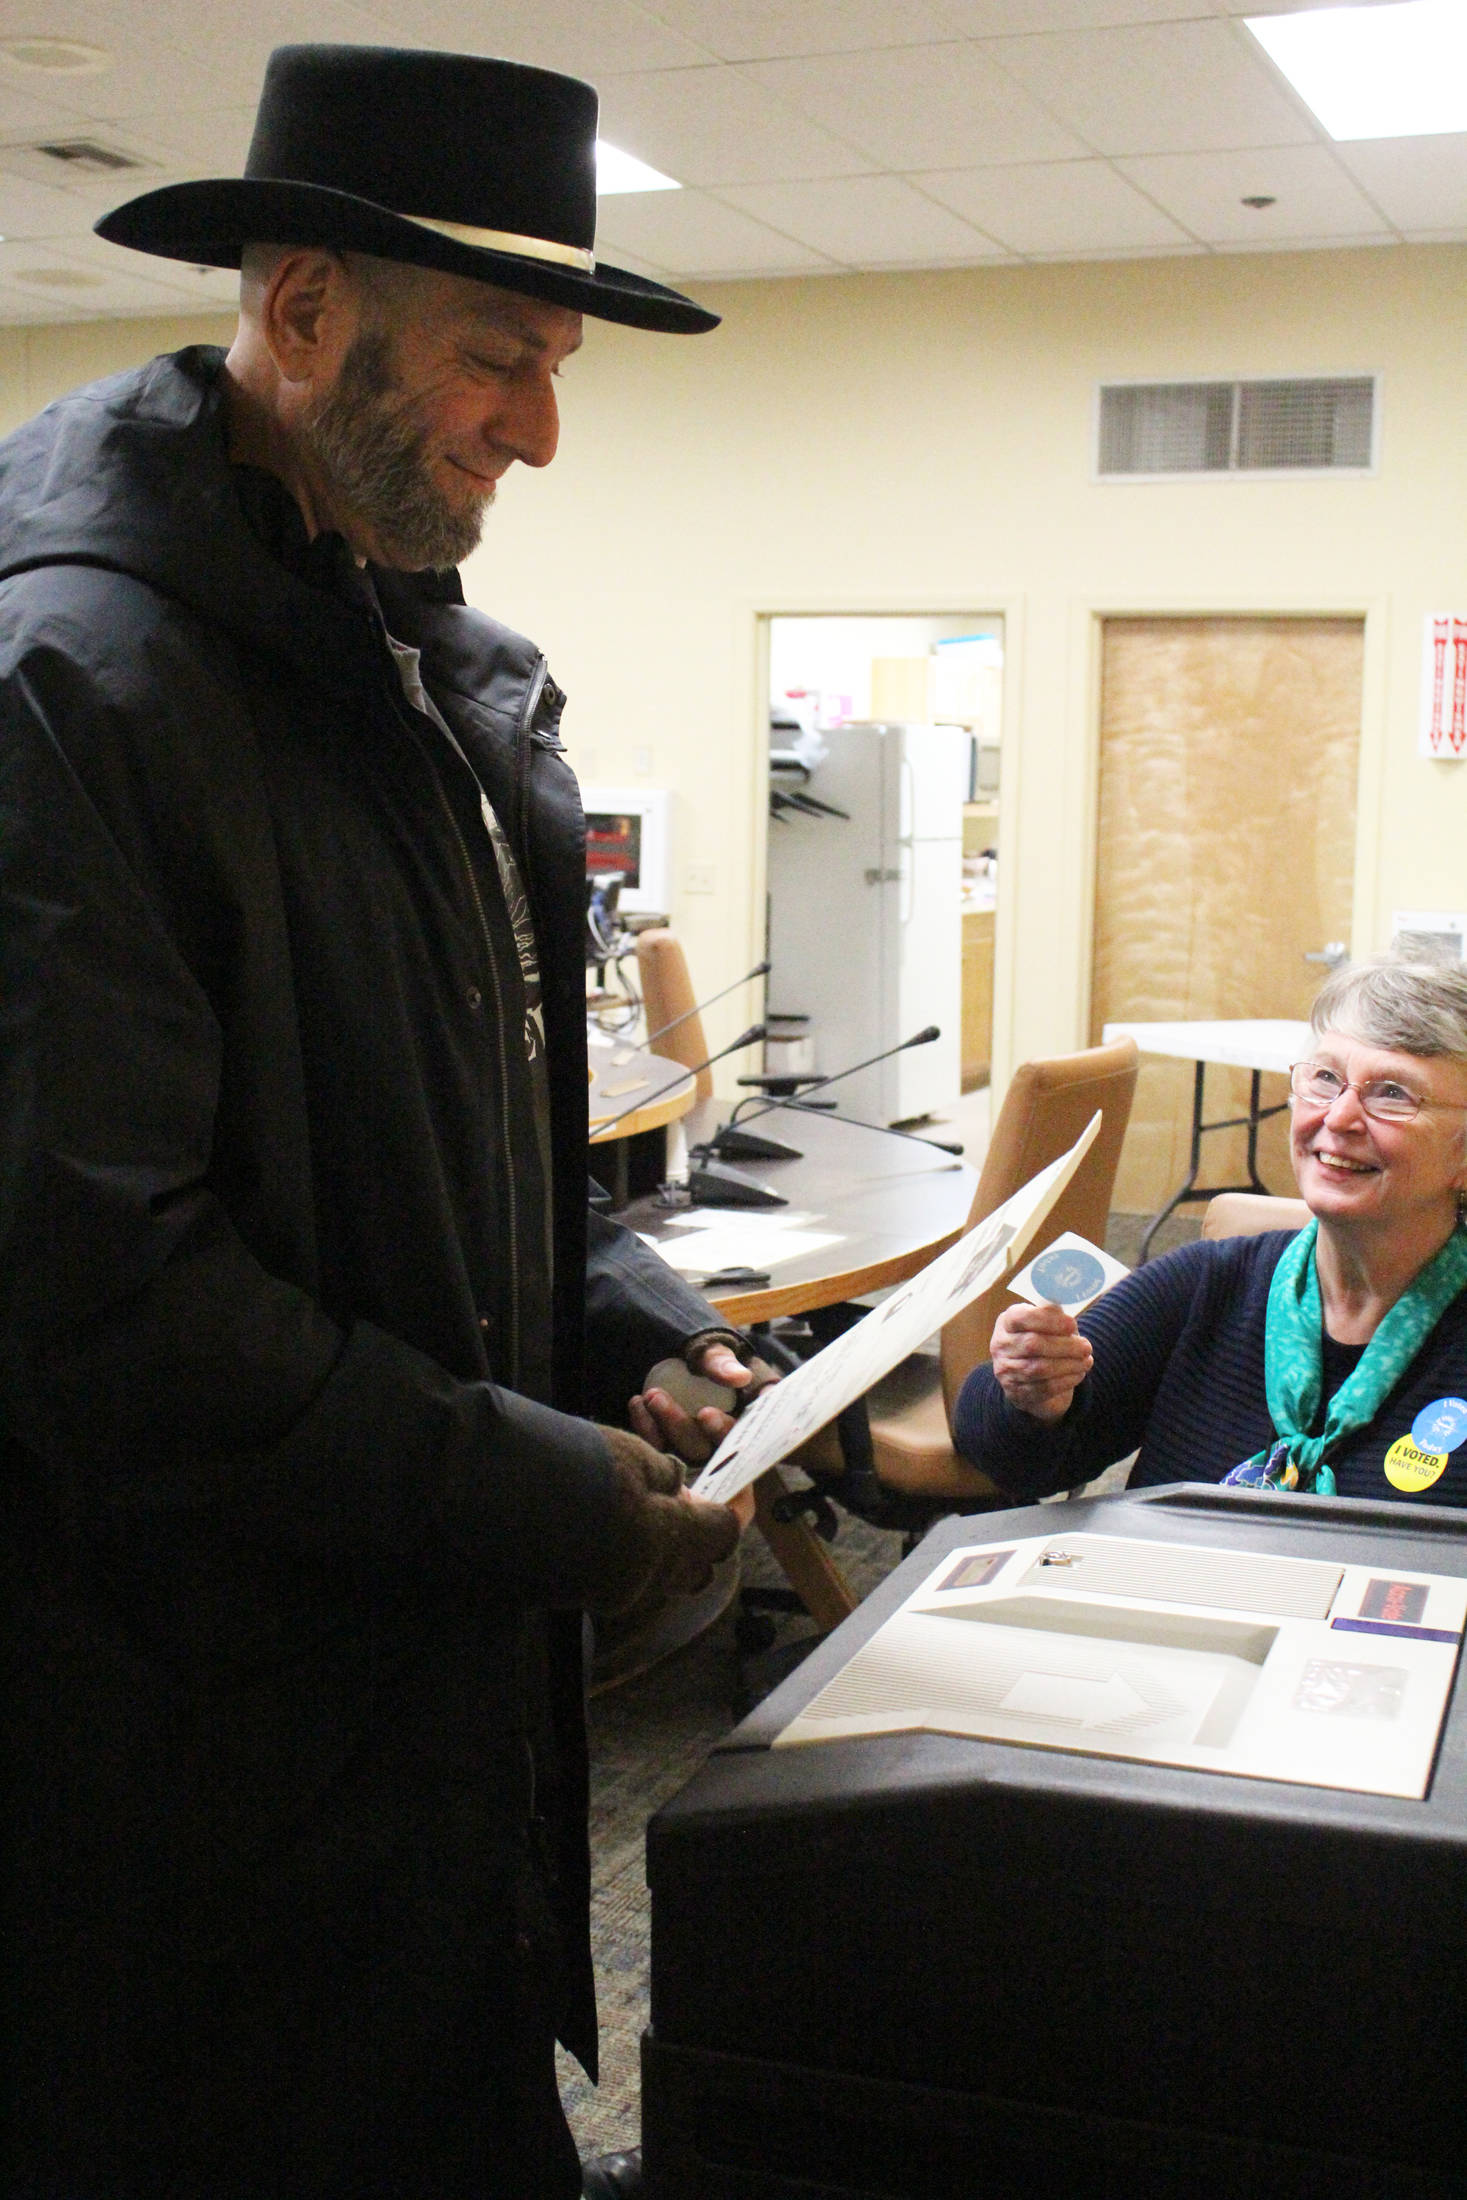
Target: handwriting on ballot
782,1418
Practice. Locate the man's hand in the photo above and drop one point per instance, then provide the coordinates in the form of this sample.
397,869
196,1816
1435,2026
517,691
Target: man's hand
1040,1359
669,1539
694,1431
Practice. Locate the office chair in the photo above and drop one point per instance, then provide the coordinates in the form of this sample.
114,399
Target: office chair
667,991
1249,1214
890,1458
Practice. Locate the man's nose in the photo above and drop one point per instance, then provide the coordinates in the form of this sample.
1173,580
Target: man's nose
530,424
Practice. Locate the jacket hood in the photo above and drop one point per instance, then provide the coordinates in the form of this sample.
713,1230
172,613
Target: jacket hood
132,473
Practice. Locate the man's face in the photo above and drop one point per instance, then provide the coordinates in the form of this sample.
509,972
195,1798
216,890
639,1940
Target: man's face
438,394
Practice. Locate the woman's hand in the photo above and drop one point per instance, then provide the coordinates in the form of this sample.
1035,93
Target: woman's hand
1040,1359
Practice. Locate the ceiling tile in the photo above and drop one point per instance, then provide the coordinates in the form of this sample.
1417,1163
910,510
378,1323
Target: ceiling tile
82,288
34,210
205,140
998,18
1159,88
1418,183
1062,206
865,221
716,126
766,30
920,106
690,234
31,110
590,38
139,63
1205,193
209,287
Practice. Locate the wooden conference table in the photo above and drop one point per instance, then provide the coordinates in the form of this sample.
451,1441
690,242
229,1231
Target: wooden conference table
890,1204
1255,1043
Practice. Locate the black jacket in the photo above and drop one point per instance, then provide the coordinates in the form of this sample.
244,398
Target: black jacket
290,1508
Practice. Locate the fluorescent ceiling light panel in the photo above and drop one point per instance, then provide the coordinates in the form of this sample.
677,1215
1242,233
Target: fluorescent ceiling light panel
617,172
1375,72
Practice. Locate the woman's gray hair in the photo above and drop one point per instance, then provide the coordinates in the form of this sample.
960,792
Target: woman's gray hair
1409,1007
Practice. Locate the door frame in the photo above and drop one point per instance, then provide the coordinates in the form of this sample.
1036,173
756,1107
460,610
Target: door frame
751,646
1087,662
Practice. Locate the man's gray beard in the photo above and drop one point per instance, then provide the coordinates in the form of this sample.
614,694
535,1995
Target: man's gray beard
369,442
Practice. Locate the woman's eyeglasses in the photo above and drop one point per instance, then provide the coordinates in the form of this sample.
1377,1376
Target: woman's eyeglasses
1384,1098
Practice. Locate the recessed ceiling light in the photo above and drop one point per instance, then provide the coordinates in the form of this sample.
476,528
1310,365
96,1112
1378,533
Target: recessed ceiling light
54,56
60,278
1375,72
617,171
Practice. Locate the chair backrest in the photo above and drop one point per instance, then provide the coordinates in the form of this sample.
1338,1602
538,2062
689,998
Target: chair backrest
667,991
1044,1111
1249,1214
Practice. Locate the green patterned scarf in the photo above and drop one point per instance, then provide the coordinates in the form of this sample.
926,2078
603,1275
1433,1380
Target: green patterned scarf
1293,1363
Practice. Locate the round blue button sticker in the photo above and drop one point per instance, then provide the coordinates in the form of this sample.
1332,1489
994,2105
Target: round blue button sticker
1441,1426
1067,1273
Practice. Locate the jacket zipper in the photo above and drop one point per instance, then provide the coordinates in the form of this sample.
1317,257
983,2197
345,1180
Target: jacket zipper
492,960
523,728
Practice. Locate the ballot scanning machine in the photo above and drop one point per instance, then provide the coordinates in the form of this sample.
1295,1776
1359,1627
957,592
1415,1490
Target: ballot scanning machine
1112,1848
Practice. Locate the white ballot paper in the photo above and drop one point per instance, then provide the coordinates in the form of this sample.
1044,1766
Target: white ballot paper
785,1414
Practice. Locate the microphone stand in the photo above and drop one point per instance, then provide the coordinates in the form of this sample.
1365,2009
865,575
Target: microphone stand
734,1143
751,1037
760,970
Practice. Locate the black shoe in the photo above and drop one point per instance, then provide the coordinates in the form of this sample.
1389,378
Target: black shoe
612,2176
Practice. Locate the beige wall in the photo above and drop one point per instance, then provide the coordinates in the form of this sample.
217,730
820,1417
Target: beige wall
922,442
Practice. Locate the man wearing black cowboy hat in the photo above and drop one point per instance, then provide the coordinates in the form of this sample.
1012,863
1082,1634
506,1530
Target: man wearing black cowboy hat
301,1311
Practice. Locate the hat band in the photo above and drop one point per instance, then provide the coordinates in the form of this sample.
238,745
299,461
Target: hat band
505,240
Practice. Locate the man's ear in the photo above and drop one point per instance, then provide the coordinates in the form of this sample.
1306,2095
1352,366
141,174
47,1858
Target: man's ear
309,314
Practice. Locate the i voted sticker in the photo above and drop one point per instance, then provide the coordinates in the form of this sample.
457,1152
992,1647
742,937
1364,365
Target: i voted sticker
1441,1426
1070,1273
1409,1468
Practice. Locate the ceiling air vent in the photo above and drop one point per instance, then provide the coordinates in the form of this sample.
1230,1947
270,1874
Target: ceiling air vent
1295,426
89,156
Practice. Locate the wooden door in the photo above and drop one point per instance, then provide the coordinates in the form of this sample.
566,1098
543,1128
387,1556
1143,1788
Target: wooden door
1226,852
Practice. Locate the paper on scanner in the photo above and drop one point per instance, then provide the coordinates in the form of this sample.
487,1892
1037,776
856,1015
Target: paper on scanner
782,1417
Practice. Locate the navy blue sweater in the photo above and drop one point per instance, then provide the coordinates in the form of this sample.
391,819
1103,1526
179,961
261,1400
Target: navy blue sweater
1179,1372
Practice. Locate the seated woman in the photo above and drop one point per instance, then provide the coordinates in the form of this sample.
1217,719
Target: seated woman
1297,1360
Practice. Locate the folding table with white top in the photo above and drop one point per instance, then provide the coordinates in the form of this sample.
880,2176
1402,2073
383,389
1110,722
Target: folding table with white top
1255,1043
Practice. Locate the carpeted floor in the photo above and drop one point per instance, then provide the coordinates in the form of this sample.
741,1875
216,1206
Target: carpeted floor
648,1737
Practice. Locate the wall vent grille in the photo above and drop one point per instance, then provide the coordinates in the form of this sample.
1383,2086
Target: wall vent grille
1295,426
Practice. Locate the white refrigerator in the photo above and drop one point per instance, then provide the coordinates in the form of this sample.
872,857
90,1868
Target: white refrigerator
865,919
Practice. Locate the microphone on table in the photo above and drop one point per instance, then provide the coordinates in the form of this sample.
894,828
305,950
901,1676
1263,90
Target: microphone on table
734,1143
748,1038
760,970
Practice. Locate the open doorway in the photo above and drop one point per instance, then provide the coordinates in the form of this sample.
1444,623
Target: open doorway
885,737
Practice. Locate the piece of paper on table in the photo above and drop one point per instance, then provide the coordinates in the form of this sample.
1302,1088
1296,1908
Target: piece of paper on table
755,1221
735,1245
1071,1273
782,1417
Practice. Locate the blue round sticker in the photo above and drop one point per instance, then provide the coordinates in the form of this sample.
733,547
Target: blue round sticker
1441,1426
1066,1273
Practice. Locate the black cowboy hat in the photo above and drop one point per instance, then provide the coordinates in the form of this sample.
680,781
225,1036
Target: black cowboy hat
482,168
